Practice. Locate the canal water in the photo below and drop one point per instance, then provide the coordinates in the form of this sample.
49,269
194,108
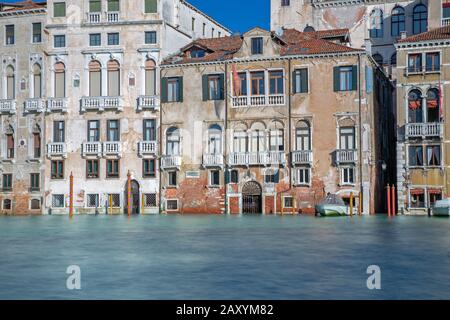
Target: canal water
224,257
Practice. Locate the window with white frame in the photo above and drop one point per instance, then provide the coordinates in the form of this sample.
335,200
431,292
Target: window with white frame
288,202
215,139
35,204
172,204
92,201
303,136
150,200
302,176
277,140
214,178
58,201
348,175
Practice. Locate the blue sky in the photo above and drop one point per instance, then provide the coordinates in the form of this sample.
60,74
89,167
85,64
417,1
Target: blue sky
238,15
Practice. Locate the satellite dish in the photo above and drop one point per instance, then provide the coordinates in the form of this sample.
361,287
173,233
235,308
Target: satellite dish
279,32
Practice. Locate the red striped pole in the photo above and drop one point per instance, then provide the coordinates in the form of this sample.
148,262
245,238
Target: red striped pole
389,200
394,211
129,193
71,195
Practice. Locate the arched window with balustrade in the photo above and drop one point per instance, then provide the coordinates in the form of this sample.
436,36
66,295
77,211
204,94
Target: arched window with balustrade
113,78
10,83
415,110
95,79
60,80
37,81
173,139
214,139
150,77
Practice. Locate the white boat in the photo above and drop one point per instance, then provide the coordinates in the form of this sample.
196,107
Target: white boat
441,208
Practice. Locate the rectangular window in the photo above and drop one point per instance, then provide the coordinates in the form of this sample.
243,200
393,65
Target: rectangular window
213,87
276,82
95,39
348,176
9,34
149,130
415,154
288,202
92,201
37,32
347,138
172,89
417,197
35,182
114,200
9,146
433,156
113,5
172,204
58,201
415,63
59,9
113,39
285,3
300,80
59,41
276,140
272,176
172,177
149,168
243,84
59,131
234,176
112,168
345,78
433,62
150,37
151,6
303,176
446,10
93,131
214,178
113,133
7,182
95,6
36,145
257,45
258,83
92,169
57,169
150,200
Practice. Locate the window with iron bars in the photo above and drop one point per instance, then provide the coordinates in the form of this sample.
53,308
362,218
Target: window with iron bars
58,201
114,198
150,200
92,201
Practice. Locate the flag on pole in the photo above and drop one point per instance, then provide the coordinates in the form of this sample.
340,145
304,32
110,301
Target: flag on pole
236,81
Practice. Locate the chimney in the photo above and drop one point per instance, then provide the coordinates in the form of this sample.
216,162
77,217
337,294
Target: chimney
403,35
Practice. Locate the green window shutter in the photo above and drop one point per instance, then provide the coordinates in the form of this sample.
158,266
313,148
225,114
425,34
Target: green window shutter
304,82
222,86
354,78
205,87
180,91
113,5
336,79
95,6
59,9
151,6
294,81
164,90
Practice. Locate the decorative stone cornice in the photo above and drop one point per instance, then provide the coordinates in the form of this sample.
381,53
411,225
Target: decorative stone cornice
22,12
423,44
342,3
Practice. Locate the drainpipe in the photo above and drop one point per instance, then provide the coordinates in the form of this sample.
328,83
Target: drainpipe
160,143
225,140
288,90
360,133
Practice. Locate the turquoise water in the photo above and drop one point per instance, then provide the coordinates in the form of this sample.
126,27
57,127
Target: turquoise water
224,257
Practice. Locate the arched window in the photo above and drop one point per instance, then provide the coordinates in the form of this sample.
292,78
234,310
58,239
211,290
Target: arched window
397,21
150,78
215,139
420,19
394,59
95,79
378,58
240,139
376,23
60,80
433,105
113,78
415,112
173,141
276,139
303,136
258,138
10,83
37,81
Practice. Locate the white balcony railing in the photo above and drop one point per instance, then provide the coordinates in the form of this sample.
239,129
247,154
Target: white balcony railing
112,16
101,103
445,22
57,149
346,156
34,105
147,102
257,158
212,160
259,101
7,106
147,148
56,104
94,17
171,161
112,148
422,130
92,149
302,157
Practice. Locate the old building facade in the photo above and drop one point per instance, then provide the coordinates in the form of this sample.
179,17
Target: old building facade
373,24
272,123
97,108
422,108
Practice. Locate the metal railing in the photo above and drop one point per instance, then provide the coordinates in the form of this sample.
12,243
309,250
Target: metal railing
432,129
147,148
148,102
34,105
257,158
302,157
101,103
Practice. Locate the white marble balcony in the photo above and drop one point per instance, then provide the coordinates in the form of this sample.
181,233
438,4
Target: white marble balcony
302,157
91,149
423,130
170,162
262,158
112,148
101,103
346,156
34,105
56,105
57,149
112,16
259,101
148,103
213,160
146,148
8,106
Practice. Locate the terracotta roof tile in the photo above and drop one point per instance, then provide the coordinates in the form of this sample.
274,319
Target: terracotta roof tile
293,35
435,34
316,46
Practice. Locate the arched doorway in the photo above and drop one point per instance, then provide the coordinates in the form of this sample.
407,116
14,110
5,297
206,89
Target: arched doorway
251,198
135,200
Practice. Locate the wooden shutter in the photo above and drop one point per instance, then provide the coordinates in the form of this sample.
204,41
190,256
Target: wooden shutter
95,83
354,77
205,87
336,85
163,90
180,89
222,86
294,81
113,5
95,6
150,75
304,80
151,6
